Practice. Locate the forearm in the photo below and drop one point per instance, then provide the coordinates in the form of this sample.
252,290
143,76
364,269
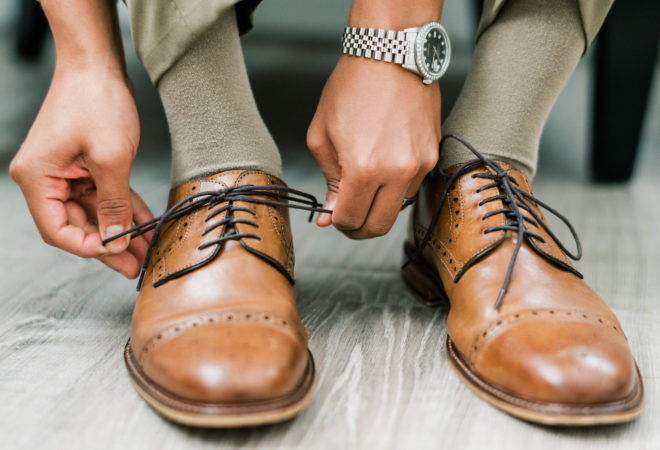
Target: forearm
86,34
394,14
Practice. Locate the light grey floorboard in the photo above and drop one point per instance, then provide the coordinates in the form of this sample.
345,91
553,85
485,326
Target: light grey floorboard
384,379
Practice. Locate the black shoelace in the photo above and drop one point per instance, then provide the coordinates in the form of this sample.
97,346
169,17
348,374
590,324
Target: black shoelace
514,201
271,195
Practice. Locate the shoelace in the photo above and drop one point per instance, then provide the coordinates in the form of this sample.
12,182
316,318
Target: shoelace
275,195
515,201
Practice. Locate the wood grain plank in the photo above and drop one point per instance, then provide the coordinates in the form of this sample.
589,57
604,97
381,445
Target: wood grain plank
384,379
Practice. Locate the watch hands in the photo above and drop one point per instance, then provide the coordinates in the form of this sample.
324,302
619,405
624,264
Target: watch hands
436,60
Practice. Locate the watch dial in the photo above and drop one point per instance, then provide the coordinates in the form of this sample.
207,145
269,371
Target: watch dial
435,51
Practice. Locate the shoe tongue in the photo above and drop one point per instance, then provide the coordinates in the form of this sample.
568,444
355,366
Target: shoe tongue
517,174
177,252
221,180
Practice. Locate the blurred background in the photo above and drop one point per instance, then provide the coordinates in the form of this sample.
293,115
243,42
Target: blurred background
384,379
599,124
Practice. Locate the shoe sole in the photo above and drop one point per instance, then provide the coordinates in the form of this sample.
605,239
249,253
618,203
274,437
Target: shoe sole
427,288
220,415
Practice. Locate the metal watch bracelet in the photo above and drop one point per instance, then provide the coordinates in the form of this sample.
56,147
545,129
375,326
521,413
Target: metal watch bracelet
382,45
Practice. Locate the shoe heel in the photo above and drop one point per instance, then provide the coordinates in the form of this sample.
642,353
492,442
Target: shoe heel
421,280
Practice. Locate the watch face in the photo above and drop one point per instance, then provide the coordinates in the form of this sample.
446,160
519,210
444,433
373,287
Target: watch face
433,51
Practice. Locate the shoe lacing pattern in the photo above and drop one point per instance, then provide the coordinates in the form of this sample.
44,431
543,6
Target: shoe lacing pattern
223,201
515,201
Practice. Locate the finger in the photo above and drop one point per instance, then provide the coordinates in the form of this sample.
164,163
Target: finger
383,212
114,207
414,185
354,199
125,263
141,212
78,217
84,193
49,206
82,213
128,262
325,219
326,156
129,267
82,190
138,247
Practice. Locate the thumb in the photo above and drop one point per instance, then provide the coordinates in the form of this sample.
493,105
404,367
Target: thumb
113,208
325,219
326,156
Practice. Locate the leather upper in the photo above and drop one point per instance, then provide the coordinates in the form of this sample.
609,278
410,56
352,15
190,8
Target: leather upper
220,324
553,339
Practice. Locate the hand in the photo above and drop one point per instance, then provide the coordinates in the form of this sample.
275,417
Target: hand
74,168
375,136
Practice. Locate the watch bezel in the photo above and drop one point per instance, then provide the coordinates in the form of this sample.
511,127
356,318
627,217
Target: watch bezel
419,51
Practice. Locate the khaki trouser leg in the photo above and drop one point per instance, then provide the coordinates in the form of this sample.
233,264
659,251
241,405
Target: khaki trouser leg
192,52
163,30
526,51
592,14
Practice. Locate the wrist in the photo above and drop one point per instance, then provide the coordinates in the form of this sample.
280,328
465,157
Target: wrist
94,72
93,62
86,34
378,71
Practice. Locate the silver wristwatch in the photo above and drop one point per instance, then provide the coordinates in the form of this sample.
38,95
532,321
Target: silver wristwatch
424,50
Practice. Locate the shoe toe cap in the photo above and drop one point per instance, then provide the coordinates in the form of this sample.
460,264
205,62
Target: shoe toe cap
559,362
228,363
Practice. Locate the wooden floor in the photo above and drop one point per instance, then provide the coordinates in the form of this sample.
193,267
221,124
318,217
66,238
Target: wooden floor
384,379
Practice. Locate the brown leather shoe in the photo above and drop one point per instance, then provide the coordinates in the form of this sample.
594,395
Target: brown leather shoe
541,345
216,339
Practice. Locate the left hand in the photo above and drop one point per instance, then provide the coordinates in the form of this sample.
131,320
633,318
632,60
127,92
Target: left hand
375,136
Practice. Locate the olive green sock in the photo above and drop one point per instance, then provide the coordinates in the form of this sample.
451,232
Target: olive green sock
520,65
212,116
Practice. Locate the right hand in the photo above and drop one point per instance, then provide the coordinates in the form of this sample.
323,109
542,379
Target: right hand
74,168
375,136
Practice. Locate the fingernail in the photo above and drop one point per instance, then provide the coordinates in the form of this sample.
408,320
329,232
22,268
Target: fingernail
113,230
117,245
330,204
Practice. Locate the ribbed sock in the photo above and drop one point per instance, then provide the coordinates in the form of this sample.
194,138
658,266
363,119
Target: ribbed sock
520,65
213,119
